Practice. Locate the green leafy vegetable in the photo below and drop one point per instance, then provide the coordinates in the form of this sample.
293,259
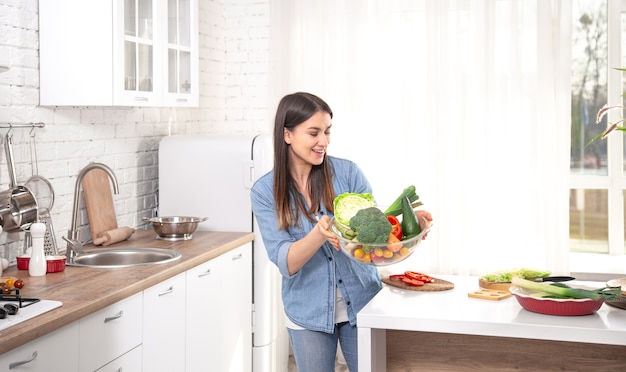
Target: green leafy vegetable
348,204
371,226
506,276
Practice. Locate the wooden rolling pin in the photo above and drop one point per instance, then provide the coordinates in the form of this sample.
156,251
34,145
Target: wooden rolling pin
113,236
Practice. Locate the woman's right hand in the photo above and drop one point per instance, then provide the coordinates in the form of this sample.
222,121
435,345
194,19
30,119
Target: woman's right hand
323,225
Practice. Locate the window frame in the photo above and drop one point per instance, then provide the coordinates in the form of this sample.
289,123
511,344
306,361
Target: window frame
614,181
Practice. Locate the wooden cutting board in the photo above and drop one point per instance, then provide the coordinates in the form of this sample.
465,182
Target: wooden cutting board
490,294
437,285
99,202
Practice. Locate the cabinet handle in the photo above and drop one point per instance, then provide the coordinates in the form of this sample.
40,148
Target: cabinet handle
17,364
144,99
116,316
167,291
181,100
207,272
238,257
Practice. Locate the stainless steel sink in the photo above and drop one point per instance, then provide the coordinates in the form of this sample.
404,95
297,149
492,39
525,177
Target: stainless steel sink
124,257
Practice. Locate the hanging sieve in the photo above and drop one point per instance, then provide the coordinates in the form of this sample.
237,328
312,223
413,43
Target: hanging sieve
42,190
39,185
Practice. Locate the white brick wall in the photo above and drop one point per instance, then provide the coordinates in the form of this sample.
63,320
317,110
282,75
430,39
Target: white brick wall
234,49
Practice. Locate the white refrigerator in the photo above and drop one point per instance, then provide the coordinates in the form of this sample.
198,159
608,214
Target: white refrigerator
211,176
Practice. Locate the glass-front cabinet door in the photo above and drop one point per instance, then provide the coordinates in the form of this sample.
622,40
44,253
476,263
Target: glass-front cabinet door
139,80
181,53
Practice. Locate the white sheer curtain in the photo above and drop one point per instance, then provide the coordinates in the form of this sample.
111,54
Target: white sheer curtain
467,100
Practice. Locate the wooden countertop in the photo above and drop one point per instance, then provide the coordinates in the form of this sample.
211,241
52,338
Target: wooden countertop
84,290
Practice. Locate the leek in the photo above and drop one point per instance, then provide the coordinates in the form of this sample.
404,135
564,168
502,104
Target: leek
564,291
395,208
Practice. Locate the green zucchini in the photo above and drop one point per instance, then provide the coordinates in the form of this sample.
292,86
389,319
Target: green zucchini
410,225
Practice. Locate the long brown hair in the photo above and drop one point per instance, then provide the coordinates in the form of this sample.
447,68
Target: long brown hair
293,110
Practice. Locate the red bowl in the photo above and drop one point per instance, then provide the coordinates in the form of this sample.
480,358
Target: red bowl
22,262
55,264
554,306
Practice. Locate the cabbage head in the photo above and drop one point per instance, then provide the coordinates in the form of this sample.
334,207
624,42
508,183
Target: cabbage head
349,203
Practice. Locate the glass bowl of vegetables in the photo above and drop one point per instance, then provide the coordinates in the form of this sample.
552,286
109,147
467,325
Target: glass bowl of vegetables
397,247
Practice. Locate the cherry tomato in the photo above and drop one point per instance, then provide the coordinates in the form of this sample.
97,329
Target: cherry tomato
19,283
376,259
396,227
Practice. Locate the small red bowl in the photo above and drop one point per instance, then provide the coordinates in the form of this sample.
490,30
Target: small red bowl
55,264
554,306
22,262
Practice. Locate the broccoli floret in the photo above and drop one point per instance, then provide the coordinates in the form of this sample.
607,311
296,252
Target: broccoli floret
371,226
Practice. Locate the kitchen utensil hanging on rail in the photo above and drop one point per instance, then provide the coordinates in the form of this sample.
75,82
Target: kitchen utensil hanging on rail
44,194
18,206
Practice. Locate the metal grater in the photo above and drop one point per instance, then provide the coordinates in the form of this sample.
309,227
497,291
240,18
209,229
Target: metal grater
49,240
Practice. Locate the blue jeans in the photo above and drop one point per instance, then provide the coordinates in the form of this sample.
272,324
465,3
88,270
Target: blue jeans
315,351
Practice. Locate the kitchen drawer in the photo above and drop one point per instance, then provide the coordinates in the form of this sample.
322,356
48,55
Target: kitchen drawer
130,362
110,332
47,353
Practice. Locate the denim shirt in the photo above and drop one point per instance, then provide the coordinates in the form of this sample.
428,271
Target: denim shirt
309,294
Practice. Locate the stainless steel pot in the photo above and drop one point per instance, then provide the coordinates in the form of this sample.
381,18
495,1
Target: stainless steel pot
18,206
174,227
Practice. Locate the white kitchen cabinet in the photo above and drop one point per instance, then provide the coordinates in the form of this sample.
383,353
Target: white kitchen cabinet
110,333
164,326
219,313
118,53
131,362
56,349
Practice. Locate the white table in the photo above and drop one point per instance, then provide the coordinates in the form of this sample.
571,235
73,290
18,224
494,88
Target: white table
452,311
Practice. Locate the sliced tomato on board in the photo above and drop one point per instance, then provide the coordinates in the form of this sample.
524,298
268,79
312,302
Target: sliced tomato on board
412,278
397,277
419,276
413,282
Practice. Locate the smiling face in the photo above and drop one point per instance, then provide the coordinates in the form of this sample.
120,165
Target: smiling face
309,140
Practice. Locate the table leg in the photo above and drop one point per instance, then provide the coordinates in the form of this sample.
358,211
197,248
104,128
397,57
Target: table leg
372,349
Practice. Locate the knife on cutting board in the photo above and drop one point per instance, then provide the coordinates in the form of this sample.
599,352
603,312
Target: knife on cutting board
554,279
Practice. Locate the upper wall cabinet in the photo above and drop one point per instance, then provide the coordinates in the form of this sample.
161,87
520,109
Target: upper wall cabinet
118,53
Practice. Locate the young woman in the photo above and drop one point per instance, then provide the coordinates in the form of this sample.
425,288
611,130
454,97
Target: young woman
322,289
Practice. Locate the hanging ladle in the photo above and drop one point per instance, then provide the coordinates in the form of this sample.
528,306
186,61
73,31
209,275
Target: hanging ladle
18,206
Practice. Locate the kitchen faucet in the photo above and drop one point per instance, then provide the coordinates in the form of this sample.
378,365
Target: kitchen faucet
74,245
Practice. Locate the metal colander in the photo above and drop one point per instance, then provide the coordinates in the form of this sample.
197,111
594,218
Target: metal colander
174,227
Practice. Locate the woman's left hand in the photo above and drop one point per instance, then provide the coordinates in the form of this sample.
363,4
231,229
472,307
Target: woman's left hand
421,216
